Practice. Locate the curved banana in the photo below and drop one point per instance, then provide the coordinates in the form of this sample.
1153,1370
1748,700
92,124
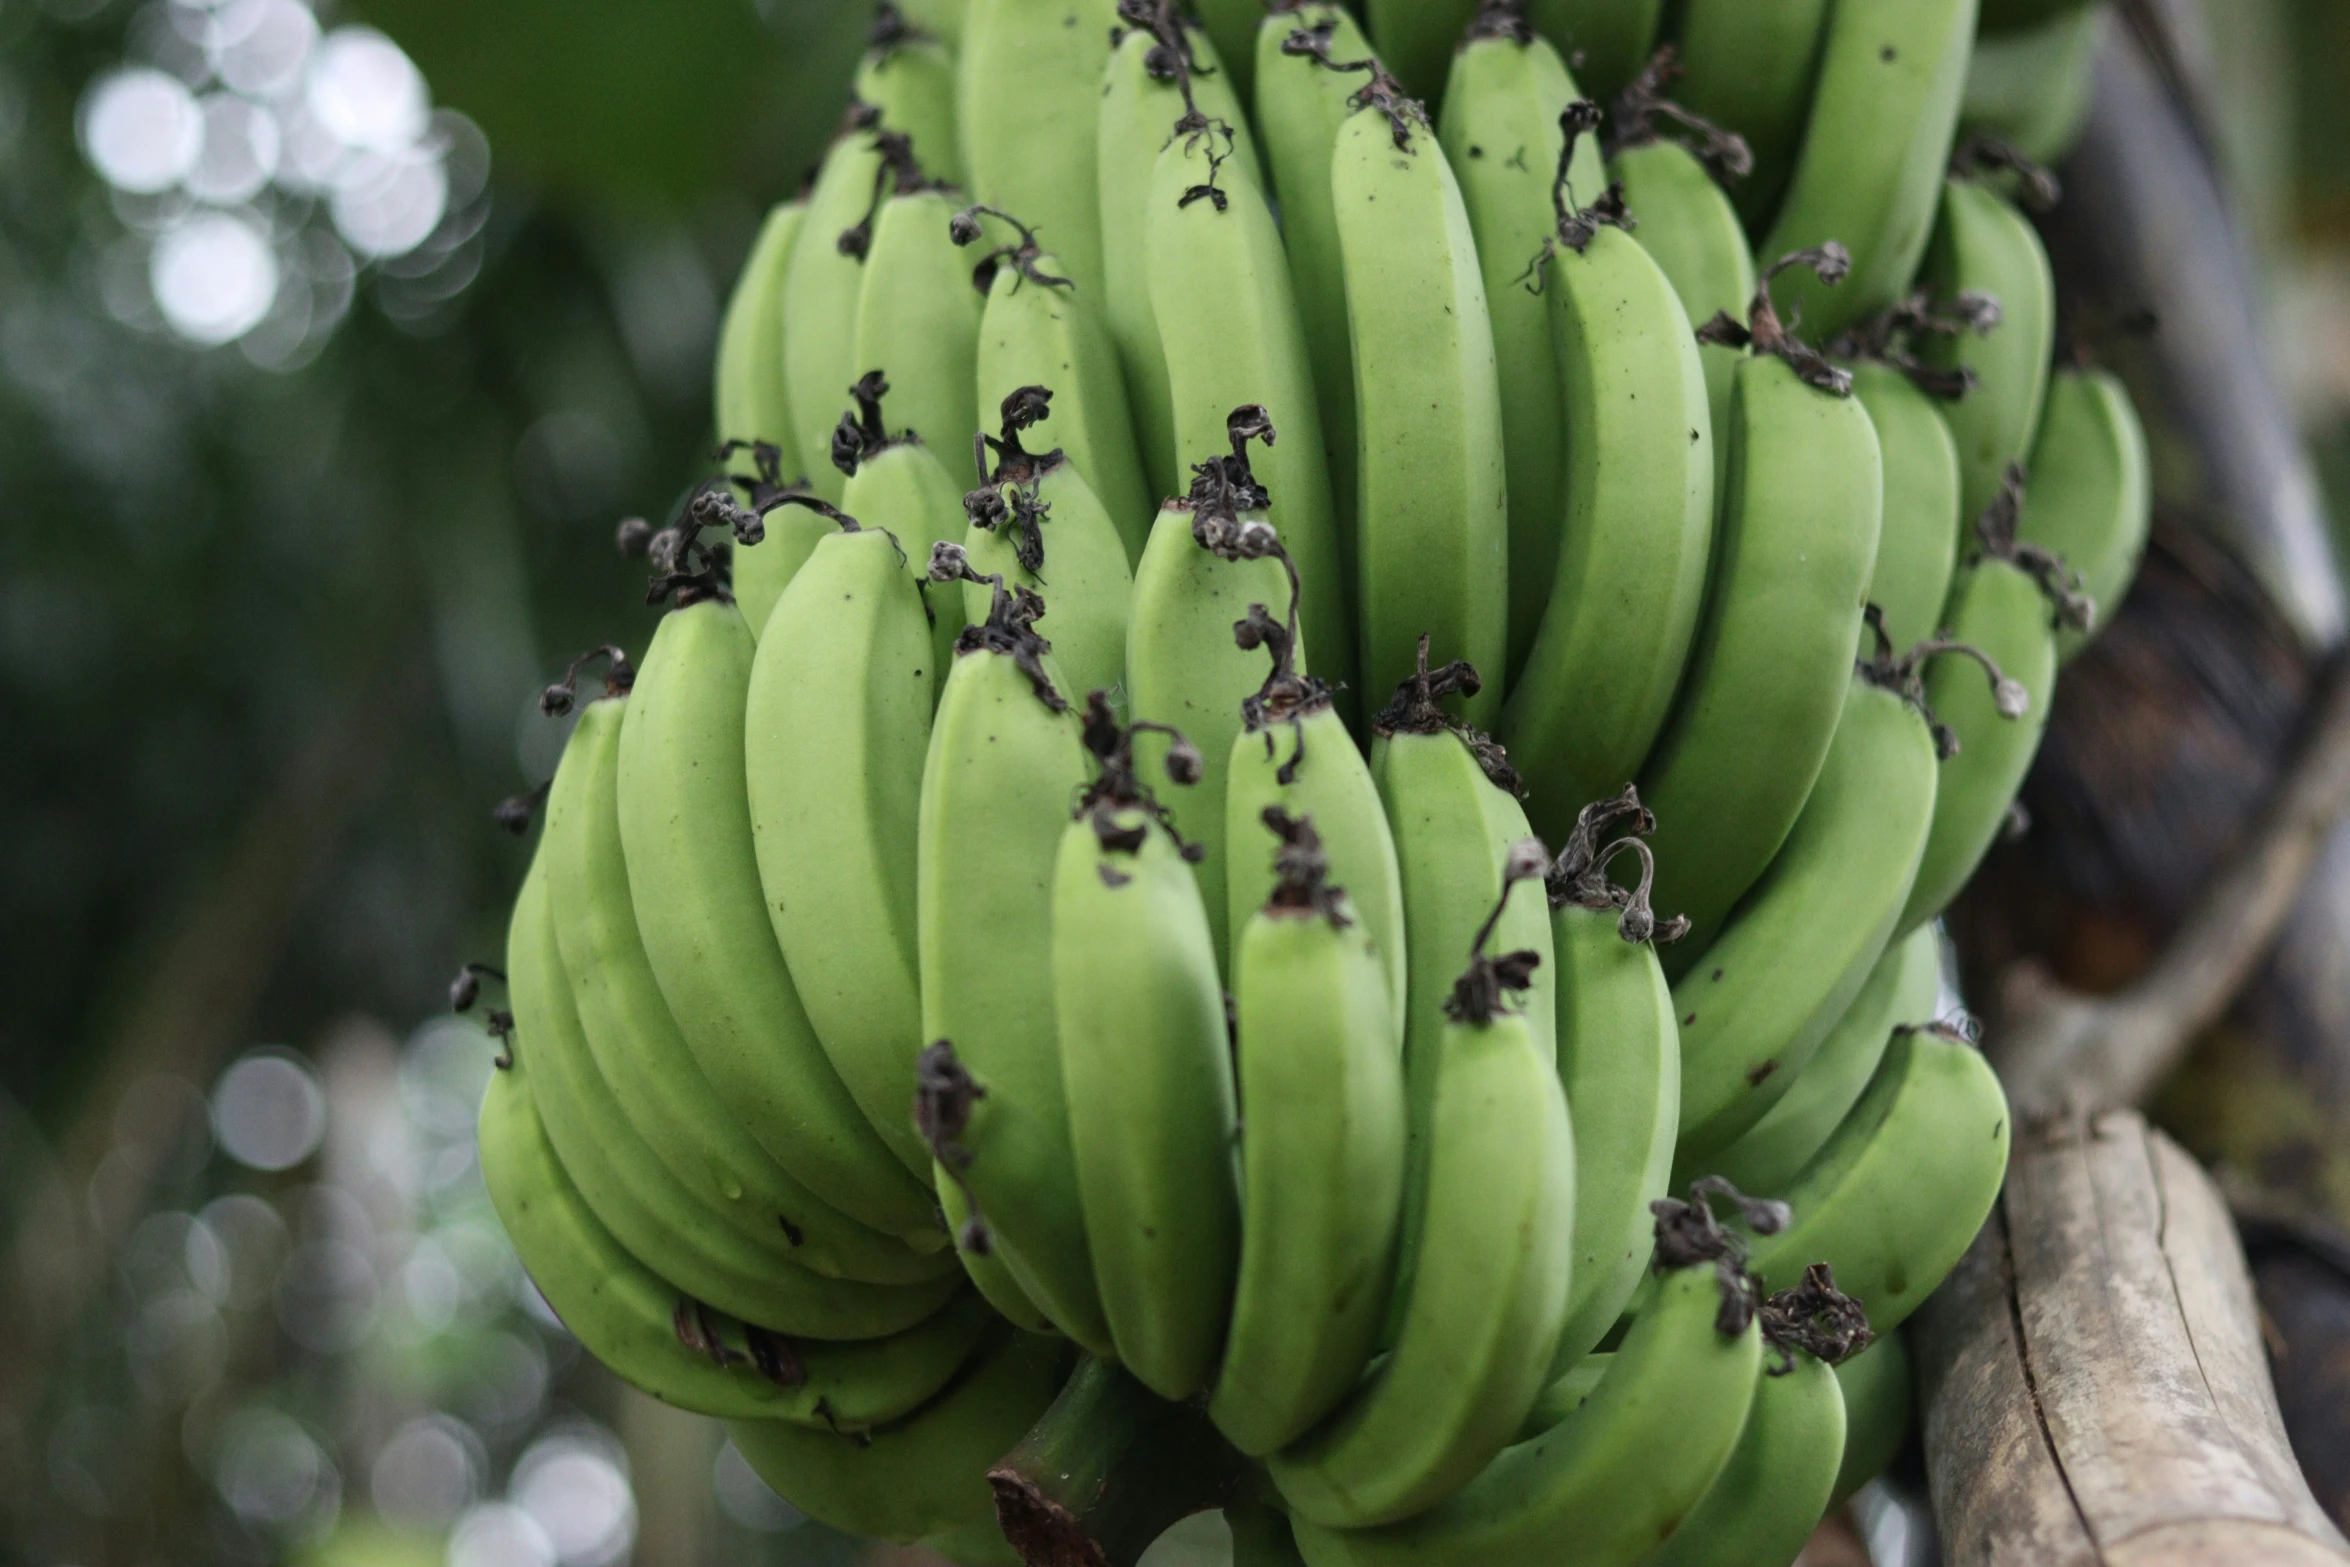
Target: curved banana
1750,68
1877,1410
1029,90
1619,1060
1895,1198
1220,290
918,319
1158,79
1883,115
2031,88
1417,37
1774,1490
1917,552
1037,524
2091,498
1567,1392
1631,573
1500,129
1183,667
924,1473
941,19
1301,101
910,77
1608,40
989,1275
1901,990
1768,675
1321,1153
1005,760
1484,1302
902,487
1147,1071
1038,330
1605,1484
1984,248
671,1346
1431,528
1761,997
821,285
639,1050
687,829
749,394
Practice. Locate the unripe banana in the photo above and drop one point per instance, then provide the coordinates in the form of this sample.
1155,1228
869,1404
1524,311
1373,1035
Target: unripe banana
1874,149
2031,88
1631,569
1220,290
910,78
1607,41
1005,760
1431,528
639,1050
918,319
751,401
1768,674
1417,37
1605,1484
1775,1488
1569,1391
1147,1073
924,1473
1321,1154
2091,498
763,566
1749,68
904,488
1154,84
1918,549
1483,1305
821,285
1901,990
1501,132
1301,101
1877,1410
1896,1197
1030,88
1039,331
942,19
989,1275
1261,1536
686,826
1984,248
1233,24
1786,967
1037,524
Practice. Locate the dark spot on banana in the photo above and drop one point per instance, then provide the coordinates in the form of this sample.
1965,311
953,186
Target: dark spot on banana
1765,1069
1689,1020
791,1231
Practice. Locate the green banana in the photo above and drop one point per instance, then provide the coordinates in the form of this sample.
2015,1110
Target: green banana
1301,101
822,283
1877,1410
989,1275
1767,677
1501,131
1038,330
941,19
1321,1154
2090,501
1774,1490
837,722
1431,528
1037,524
1606,41
1146,1071
763,566
671,1346
1029,90
686,826
918,319
1568,1391
1005,759
749,395
1220,291
1902,989
1604,1486
1882,119
1619,1060
1763,995
1750,68
1897,1195
1489,1291
1984,249
1918,549
1631,568
2031,88
636,1044
919,1475
902,487
1162,80
910,78
1182,665
1454,817
1261,1534
1417,37
1233,24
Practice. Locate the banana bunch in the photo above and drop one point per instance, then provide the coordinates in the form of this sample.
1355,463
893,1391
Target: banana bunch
1078,909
